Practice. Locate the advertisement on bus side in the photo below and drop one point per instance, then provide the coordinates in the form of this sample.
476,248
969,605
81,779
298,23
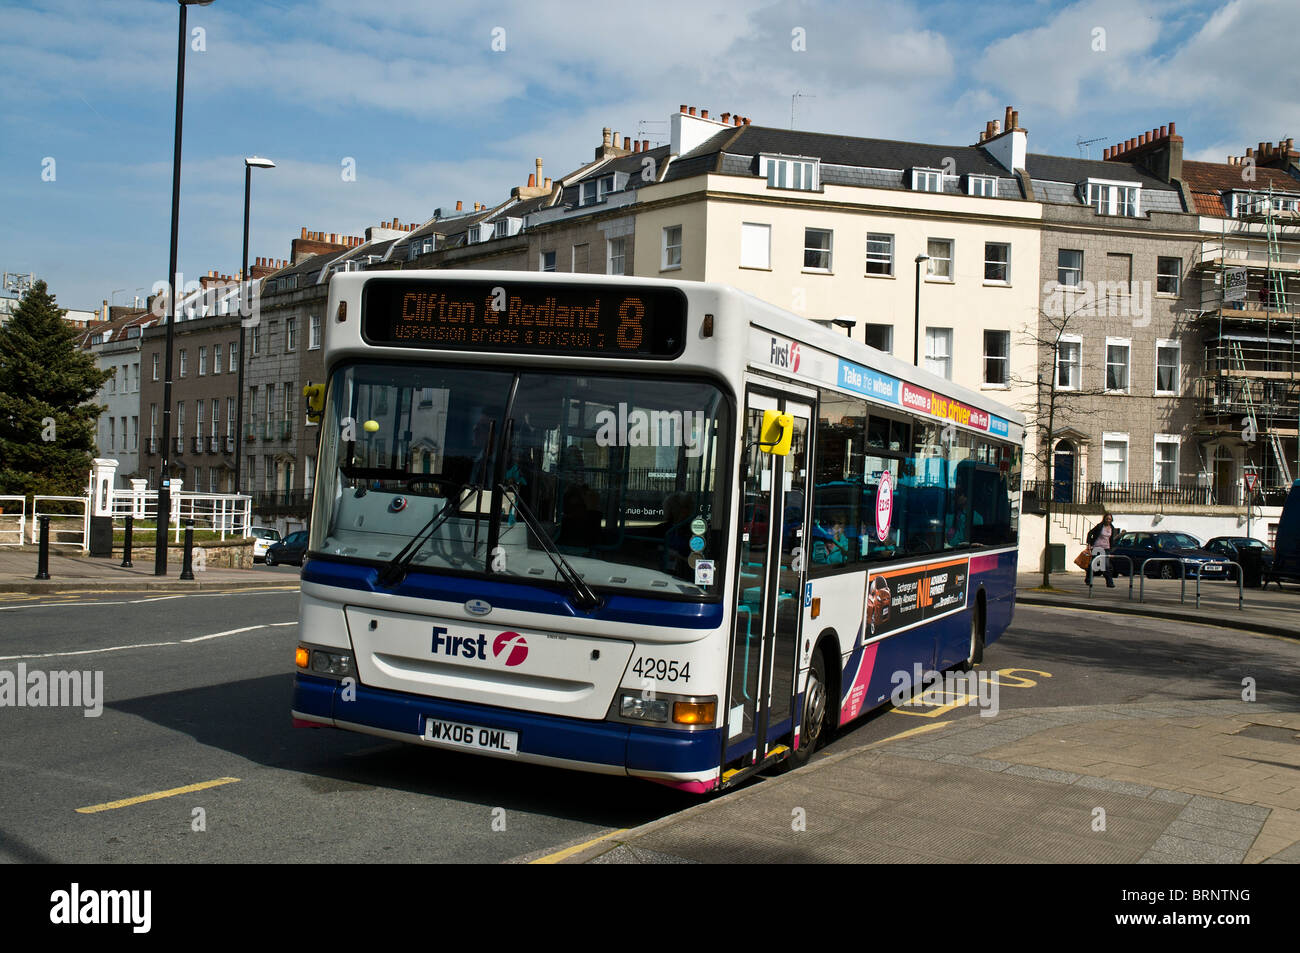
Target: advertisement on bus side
898,599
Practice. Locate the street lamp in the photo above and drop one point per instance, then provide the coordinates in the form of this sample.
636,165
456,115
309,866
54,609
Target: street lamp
916,324
164,486
250,163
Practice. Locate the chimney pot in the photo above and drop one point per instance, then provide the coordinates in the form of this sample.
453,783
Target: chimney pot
1164,131
618,140
746,121
548,184
304,231
1007,117
1142,139
538,163
1015,119
460,206
997,126
532,180
704,114
645,145
682,108
692,110
1171,129
1105,153
1249,152
605,137
726,118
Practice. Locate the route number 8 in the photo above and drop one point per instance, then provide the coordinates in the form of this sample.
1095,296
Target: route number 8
630,332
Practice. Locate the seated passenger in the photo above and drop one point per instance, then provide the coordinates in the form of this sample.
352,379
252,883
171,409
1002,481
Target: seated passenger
832,546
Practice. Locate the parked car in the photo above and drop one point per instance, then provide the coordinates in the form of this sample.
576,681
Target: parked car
291,549
263,537
1229,548
1195,560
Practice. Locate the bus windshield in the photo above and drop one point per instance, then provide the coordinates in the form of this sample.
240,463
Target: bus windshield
622,474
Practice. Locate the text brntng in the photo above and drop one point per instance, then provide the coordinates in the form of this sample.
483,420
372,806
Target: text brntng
37,689
651,428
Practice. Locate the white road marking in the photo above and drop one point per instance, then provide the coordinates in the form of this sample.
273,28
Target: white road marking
131,602
146,645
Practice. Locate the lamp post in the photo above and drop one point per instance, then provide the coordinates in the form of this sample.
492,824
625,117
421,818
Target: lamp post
916,324
250,163
164,485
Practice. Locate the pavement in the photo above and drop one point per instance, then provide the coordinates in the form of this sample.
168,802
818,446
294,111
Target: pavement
1271,611
74,572
1177,782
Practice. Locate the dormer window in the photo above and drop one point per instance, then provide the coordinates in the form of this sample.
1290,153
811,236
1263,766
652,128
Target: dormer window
1113,198
587,193
1259,203
505,227
927,180
985,185
790,172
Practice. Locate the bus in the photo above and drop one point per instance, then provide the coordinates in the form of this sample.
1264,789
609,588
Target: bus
651,528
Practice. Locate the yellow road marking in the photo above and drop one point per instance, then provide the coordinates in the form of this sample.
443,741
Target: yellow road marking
918,730
559,855
157,795
935,712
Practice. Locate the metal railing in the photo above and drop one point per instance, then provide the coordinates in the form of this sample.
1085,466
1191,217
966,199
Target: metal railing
1182,575
69,520
13,525
1079,493
1106,556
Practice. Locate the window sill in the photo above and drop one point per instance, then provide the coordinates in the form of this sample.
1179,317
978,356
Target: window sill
1166,393
876,274
996,284
940,281
1168,294
816,271
987,386
671,268
753,268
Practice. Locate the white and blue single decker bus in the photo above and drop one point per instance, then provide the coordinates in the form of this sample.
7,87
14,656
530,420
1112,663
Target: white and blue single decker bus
654,528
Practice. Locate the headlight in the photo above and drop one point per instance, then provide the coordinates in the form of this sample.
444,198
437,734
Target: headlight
632,705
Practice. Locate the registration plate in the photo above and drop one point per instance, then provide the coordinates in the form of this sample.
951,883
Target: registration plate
457,735
1212,567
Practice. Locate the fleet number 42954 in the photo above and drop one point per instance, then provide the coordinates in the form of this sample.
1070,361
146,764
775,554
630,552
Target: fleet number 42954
663,670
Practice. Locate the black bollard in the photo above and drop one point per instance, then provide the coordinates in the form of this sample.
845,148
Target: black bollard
43,554
187,565
126,543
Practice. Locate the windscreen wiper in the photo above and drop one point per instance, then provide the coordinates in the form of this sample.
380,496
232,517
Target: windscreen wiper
585,598
395,571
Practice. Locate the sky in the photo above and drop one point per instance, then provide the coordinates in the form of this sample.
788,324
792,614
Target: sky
434,101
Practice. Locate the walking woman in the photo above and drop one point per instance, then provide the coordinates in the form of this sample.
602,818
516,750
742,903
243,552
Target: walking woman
1100,538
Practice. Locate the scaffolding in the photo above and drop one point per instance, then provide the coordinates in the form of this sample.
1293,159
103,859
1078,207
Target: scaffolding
1250,300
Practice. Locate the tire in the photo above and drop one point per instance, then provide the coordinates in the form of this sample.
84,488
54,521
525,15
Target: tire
812,728
976,640
268,559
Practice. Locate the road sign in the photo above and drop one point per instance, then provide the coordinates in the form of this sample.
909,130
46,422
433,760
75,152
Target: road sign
1251,480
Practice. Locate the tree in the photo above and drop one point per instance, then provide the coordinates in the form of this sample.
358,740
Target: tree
1054,406
47,426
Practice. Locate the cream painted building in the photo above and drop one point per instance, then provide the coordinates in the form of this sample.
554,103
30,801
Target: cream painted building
830,227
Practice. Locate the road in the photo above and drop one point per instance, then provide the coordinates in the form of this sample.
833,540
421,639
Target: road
196,692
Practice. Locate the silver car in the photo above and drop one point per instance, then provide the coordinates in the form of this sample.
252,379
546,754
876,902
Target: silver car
263,537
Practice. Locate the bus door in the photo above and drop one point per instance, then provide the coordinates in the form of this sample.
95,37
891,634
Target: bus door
771,568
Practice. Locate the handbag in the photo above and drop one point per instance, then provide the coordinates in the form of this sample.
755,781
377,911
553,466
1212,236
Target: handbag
1084,559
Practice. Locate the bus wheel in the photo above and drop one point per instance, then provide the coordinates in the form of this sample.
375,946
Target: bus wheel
976,638
813,724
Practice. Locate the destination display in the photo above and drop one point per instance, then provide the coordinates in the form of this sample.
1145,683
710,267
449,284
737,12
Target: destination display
591,320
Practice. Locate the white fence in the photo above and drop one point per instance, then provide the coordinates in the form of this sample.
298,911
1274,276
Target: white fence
69,520
226,514
13,520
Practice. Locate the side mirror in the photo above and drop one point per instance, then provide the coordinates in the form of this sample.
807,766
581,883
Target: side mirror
777,432
315,400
